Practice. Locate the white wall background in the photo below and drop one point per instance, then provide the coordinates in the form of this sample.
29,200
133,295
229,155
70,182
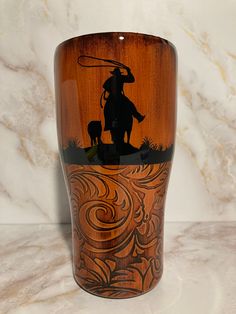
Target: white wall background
202,185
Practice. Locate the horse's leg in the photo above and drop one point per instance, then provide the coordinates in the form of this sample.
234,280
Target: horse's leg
129,129
128,135
121,135
113,136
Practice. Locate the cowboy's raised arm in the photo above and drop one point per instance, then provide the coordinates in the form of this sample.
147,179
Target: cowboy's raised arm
129,78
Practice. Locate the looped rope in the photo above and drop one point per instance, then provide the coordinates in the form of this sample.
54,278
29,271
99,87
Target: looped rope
113,62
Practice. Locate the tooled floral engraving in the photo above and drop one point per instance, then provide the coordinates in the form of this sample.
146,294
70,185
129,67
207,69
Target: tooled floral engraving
118,226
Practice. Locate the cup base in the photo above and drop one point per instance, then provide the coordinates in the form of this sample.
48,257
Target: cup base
117,293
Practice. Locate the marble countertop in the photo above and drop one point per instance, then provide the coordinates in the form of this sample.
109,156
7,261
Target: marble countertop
199,273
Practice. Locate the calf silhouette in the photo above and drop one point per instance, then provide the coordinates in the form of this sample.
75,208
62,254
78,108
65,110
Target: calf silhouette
95,132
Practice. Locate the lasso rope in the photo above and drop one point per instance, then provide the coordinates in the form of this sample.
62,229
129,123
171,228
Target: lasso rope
113,62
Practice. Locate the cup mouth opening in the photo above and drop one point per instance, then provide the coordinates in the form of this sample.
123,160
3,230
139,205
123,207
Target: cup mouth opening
120,35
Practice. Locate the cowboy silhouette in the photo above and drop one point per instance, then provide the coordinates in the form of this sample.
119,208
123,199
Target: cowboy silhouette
119,110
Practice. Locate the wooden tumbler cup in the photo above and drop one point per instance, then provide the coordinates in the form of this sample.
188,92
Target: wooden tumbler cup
116,120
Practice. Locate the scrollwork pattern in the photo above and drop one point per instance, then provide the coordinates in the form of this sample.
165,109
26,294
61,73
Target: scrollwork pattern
117,218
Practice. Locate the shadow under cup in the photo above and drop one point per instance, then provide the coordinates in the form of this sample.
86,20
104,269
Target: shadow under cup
116,120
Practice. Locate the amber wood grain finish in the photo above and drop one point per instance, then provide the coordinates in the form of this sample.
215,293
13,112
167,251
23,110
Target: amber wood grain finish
153,64
117,209
118,227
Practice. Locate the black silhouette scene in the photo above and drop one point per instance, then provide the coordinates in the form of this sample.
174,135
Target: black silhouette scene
119,112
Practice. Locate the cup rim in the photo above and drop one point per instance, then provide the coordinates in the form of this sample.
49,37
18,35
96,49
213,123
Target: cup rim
119,34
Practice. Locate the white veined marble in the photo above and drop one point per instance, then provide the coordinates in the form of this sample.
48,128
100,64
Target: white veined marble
202,186
199,273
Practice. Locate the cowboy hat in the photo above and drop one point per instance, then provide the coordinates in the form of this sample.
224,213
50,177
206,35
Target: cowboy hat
116,71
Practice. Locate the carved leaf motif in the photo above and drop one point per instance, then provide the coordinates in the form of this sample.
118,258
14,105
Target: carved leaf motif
149,227
96,270
127,278
126,250
111,264
137,250
118,220
148,278
137,275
